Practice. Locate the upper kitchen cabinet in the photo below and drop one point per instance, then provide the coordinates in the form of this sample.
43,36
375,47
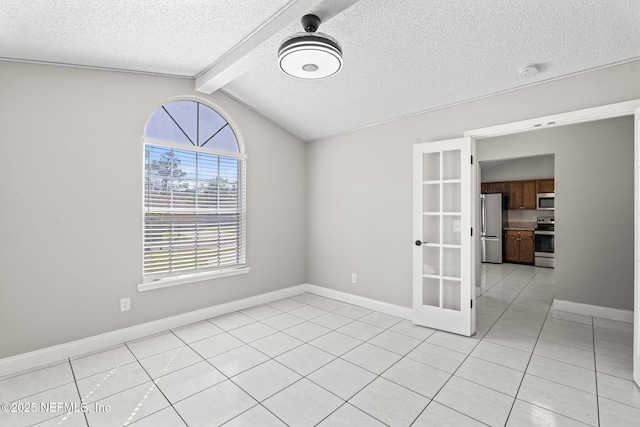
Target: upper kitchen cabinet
522,195
545,185
494,187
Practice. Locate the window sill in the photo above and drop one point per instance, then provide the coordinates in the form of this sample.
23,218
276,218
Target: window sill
190,278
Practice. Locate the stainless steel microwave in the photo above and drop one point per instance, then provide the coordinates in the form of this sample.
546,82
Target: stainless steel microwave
546,202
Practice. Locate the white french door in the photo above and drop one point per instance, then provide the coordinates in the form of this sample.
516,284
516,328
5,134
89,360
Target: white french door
443,282
636,255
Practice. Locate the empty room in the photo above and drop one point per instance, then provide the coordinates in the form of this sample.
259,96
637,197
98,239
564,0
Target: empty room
319,212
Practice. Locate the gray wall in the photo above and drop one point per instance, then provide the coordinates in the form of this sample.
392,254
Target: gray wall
533,167
71,205
359,184
594,205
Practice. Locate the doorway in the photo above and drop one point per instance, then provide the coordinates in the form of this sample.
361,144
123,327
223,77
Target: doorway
585,219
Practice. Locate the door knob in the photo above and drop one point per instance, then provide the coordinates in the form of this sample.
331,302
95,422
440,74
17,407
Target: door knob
419,242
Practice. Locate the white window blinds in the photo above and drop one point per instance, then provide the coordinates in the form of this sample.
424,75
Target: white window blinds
194,211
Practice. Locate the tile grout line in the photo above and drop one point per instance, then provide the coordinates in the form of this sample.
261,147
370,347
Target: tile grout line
595,367
75,382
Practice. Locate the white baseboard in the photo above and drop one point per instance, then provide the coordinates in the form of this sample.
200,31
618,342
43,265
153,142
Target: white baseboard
46,356
372,304
49,355
594,310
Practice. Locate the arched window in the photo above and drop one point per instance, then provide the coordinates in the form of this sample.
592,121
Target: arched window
194,192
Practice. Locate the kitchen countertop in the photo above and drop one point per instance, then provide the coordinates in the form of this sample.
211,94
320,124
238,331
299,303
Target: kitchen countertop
528,226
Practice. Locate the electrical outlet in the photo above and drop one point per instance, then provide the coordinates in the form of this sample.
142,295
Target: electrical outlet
354,278
125,304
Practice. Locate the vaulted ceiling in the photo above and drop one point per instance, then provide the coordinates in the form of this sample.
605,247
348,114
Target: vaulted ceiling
400,57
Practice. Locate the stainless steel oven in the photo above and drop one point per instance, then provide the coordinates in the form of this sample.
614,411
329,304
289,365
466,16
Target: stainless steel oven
544,238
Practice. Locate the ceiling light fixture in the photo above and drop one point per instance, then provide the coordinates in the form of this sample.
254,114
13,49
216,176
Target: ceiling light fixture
310,55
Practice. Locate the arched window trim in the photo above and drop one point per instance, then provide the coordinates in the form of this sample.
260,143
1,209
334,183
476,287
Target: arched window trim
217,108
172,279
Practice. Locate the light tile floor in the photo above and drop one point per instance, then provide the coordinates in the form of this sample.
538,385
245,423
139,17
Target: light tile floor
309,360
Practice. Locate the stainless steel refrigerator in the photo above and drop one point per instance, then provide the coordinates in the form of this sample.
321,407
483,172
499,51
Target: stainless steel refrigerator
493,217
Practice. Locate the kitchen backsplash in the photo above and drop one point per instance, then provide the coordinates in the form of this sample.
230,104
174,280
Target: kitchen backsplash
526,215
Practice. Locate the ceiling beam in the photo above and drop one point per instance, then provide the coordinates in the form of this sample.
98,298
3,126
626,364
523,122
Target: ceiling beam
247,53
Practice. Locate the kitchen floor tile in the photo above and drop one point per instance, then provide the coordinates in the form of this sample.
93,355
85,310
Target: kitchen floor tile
619,390
169,361
564,353
197,332
439,415
215,405
218,344
282,321
505,356
237,360
342,378
416,376
390,403
614,414
613,366
167,417
287,304
308,312
491,375
348,415
475,401
360,330
563,373
65,394
308,298
312,404
261,312
305,359
332,320
186,382
100,362
371,358
329,304
406,327
252,332
231,321
397,343
307,331
453,342
256,416
335,343
381,320
33,382
526,414
266,379
276,344
559,398
437,357
129,406
111,382
154,345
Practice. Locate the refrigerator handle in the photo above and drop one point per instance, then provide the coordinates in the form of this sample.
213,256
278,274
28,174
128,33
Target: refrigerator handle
483,226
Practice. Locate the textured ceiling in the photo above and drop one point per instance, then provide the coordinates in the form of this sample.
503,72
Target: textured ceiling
401,57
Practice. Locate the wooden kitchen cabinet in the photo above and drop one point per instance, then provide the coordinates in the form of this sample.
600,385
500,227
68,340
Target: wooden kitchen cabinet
545,185
518,246
522,195
494,187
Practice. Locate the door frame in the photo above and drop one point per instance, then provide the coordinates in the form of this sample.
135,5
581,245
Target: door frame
608,111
